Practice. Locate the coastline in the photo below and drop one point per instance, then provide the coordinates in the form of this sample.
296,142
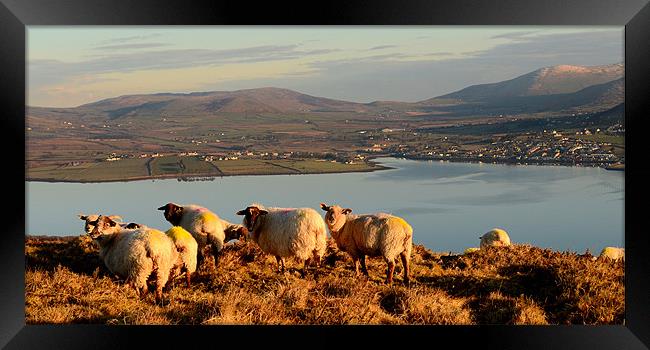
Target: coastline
376,167
610,166
205,177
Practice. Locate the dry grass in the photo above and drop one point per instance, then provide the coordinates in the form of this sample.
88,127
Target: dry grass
67,283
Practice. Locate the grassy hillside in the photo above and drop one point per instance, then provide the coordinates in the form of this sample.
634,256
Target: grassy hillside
67,283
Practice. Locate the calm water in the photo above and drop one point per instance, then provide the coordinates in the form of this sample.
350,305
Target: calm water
449,205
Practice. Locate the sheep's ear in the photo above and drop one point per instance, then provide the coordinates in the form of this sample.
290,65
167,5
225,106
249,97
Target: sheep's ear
83,217
324,207
164,207
132,225
346,211
241,212
263,212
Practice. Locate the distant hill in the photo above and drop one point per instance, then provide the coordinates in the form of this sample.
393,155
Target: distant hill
562,79
262,100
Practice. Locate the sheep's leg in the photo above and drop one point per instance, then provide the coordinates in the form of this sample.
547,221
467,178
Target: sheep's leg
216,252
200,257
139,290
217,246
303,272
363,265
389,272
188,276
405,263
280,263
159,298
356,266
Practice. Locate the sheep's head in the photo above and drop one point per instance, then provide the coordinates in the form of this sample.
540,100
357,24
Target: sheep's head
237,232
103,227
88,226
335,216
251,215
173,213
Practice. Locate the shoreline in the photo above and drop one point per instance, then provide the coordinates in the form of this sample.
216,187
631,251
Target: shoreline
377,167
611,166
203,177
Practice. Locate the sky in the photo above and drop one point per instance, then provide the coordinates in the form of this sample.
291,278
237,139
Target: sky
72,65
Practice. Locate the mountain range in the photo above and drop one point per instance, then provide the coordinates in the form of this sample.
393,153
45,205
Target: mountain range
551,89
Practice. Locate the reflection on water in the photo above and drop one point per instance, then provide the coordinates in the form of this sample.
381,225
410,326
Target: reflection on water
448,204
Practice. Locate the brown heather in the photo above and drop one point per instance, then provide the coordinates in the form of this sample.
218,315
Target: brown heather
66,282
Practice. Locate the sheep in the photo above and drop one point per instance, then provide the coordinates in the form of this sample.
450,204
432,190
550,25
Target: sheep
205,226
135,254
187,248
495,238
88,227
379,234
287,232
613,253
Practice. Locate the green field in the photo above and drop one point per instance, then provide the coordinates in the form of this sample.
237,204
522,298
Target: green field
172,166
91,172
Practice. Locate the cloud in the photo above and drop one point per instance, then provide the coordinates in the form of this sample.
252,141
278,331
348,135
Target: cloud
55,71
131,38
523,35
381,47
130,46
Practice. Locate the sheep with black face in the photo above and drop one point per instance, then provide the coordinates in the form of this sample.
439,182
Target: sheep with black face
88,219
287,232
205,226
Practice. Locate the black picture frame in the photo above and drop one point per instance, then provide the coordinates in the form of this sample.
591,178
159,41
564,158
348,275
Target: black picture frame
15,15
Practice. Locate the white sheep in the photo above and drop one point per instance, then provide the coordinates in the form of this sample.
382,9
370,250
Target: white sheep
187,248
135,254
495,238
379,234
88,227
613,253
205,226
287,232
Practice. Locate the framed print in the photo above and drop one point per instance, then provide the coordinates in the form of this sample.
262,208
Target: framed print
385,173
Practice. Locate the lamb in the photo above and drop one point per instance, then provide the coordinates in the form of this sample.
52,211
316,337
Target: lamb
187,248
380,234
287,232
613,253
205,226
495,238
88,227
135,254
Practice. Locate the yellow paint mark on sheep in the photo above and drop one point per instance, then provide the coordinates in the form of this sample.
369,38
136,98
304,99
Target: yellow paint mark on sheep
400,222
155,236
178,233
207,217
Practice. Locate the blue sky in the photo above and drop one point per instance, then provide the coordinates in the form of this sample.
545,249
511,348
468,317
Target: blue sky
70,66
